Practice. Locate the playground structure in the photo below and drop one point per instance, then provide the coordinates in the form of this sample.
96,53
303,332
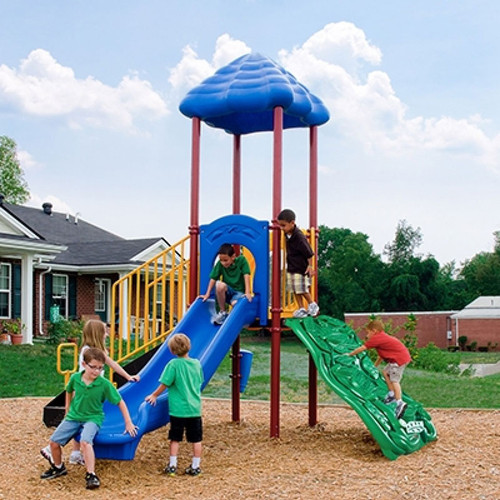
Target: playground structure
249,95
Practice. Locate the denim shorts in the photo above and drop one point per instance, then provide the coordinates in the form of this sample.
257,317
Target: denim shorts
233,295
68,429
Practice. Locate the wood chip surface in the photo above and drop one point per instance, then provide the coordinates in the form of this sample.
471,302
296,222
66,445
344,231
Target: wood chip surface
337,459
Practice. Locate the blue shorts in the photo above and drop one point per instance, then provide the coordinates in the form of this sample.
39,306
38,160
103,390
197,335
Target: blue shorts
233,295
68,429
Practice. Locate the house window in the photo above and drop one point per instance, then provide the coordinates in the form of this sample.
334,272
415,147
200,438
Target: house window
5,293
159,299
60,293
100,295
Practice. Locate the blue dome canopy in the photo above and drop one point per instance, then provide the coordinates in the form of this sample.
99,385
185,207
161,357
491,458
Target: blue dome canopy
241,96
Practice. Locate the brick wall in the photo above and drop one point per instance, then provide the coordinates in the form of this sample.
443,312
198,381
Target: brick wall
434,327
479,330
431,327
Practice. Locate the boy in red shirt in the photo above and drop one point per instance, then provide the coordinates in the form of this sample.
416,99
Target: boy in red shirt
394,353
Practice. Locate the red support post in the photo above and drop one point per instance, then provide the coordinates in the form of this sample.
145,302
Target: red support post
313,224
194,227
276,274
236,356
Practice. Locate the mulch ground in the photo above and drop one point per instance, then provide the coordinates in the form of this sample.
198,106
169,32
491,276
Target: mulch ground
337,459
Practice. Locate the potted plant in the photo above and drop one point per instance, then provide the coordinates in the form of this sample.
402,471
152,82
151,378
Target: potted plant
15,330
4,334
64,330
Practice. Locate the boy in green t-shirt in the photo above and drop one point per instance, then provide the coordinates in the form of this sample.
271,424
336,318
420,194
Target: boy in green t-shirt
231,278
85,393
183,376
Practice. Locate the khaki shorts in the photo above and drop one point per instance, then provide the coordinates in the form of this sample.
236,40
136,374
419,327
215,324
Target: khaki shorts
394,371
298,283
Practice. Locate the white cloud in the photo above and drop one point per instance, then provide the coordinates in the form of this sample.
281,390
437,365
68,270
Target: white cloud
27,161
192,70
43,87
365,107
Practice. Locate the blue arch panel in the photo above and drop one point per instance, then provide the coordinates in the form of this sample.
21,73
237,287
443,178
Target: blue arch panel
238,230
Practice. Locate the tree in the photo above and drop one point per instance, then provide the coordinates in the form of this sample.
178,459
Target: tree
350,276
406,241
12,184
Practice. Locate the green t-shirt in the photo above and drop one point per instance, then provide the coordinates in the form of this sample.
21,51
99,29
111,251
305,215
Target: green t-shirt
86,405
183,377
232,275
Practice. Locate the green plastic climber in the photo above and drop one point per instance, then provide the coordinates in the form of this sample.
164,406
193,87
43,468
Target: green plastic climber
358,382
394,353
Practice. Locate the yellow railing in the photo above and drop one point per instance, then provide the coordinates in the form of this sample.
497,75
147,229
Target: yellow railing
288,305
74,350
148,302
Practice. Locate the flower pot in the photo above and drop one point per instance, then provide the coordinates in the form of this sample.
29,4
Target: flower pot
16,338
4,338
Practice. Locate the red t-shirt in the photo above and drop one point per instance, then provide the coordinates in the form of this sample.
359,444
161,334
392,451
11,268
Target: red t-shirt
389,348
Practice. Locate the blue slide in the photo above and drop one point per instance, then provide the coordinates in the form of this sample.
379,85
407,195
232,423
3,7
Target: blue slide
209,343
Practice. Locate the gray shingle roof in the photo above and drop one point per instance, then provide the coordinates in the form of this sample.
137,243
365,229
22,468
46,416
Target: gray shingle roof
87,244
103,252
56,228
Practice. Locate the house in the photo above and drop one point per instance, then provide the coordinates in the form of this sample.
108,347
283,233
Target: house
51,260
479,321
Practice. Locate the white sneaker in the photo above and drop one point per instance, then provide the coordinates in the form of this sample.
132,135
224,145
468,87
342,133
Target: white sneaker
220,318
76,458
300,313
313,309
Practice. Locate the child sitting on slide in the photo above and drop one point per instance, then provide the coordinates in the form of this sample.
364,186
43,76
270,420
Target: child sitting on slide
231,278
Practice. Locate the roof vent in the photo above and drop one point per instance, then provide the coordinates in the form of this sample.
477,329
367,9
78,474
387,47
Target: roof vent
47,208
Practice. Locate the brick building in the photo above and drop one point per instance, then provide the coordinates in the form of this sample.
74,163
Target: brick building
52,259
479,321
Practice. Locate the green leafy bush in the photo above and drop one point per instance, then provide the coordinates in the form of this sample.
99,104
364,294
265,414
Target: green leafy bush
432,358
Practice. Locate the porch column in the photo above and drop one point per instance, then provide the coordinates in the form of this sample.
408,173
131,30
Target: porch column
27,298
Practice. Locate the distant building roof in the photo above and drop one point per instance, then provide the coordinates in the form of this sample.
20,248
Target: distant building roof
484,307
57,227
75,241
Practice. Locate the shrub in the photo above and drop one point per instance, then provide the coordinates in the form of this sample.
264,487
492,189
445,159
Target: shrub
434,359
63,329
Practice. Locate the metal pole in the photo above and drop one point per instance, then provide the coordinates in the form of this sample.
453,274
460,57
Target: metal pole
194,228
236,357
276,271
313,224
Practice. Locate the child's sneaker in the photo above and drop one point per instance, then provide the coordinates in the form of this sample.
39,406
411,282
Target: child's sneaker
47,454
170,470
313,309
220,317
193,472
300,313
389,399
92,481
54,472
400,409
76,458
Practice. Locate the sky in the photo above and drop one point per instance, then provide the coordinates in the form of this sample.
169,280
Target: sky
90,91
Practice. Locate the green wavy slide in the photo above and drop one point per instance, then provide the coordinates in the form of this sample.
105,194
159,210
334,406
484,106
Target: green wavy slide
360,384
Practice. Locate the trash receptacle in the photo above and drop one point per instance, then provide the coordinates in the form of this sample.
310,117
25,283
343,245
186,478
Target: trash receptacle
245,367
54,314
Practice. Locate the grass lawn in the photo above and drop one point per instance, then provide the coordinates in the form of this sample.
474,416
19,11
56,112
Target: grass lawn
31,371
